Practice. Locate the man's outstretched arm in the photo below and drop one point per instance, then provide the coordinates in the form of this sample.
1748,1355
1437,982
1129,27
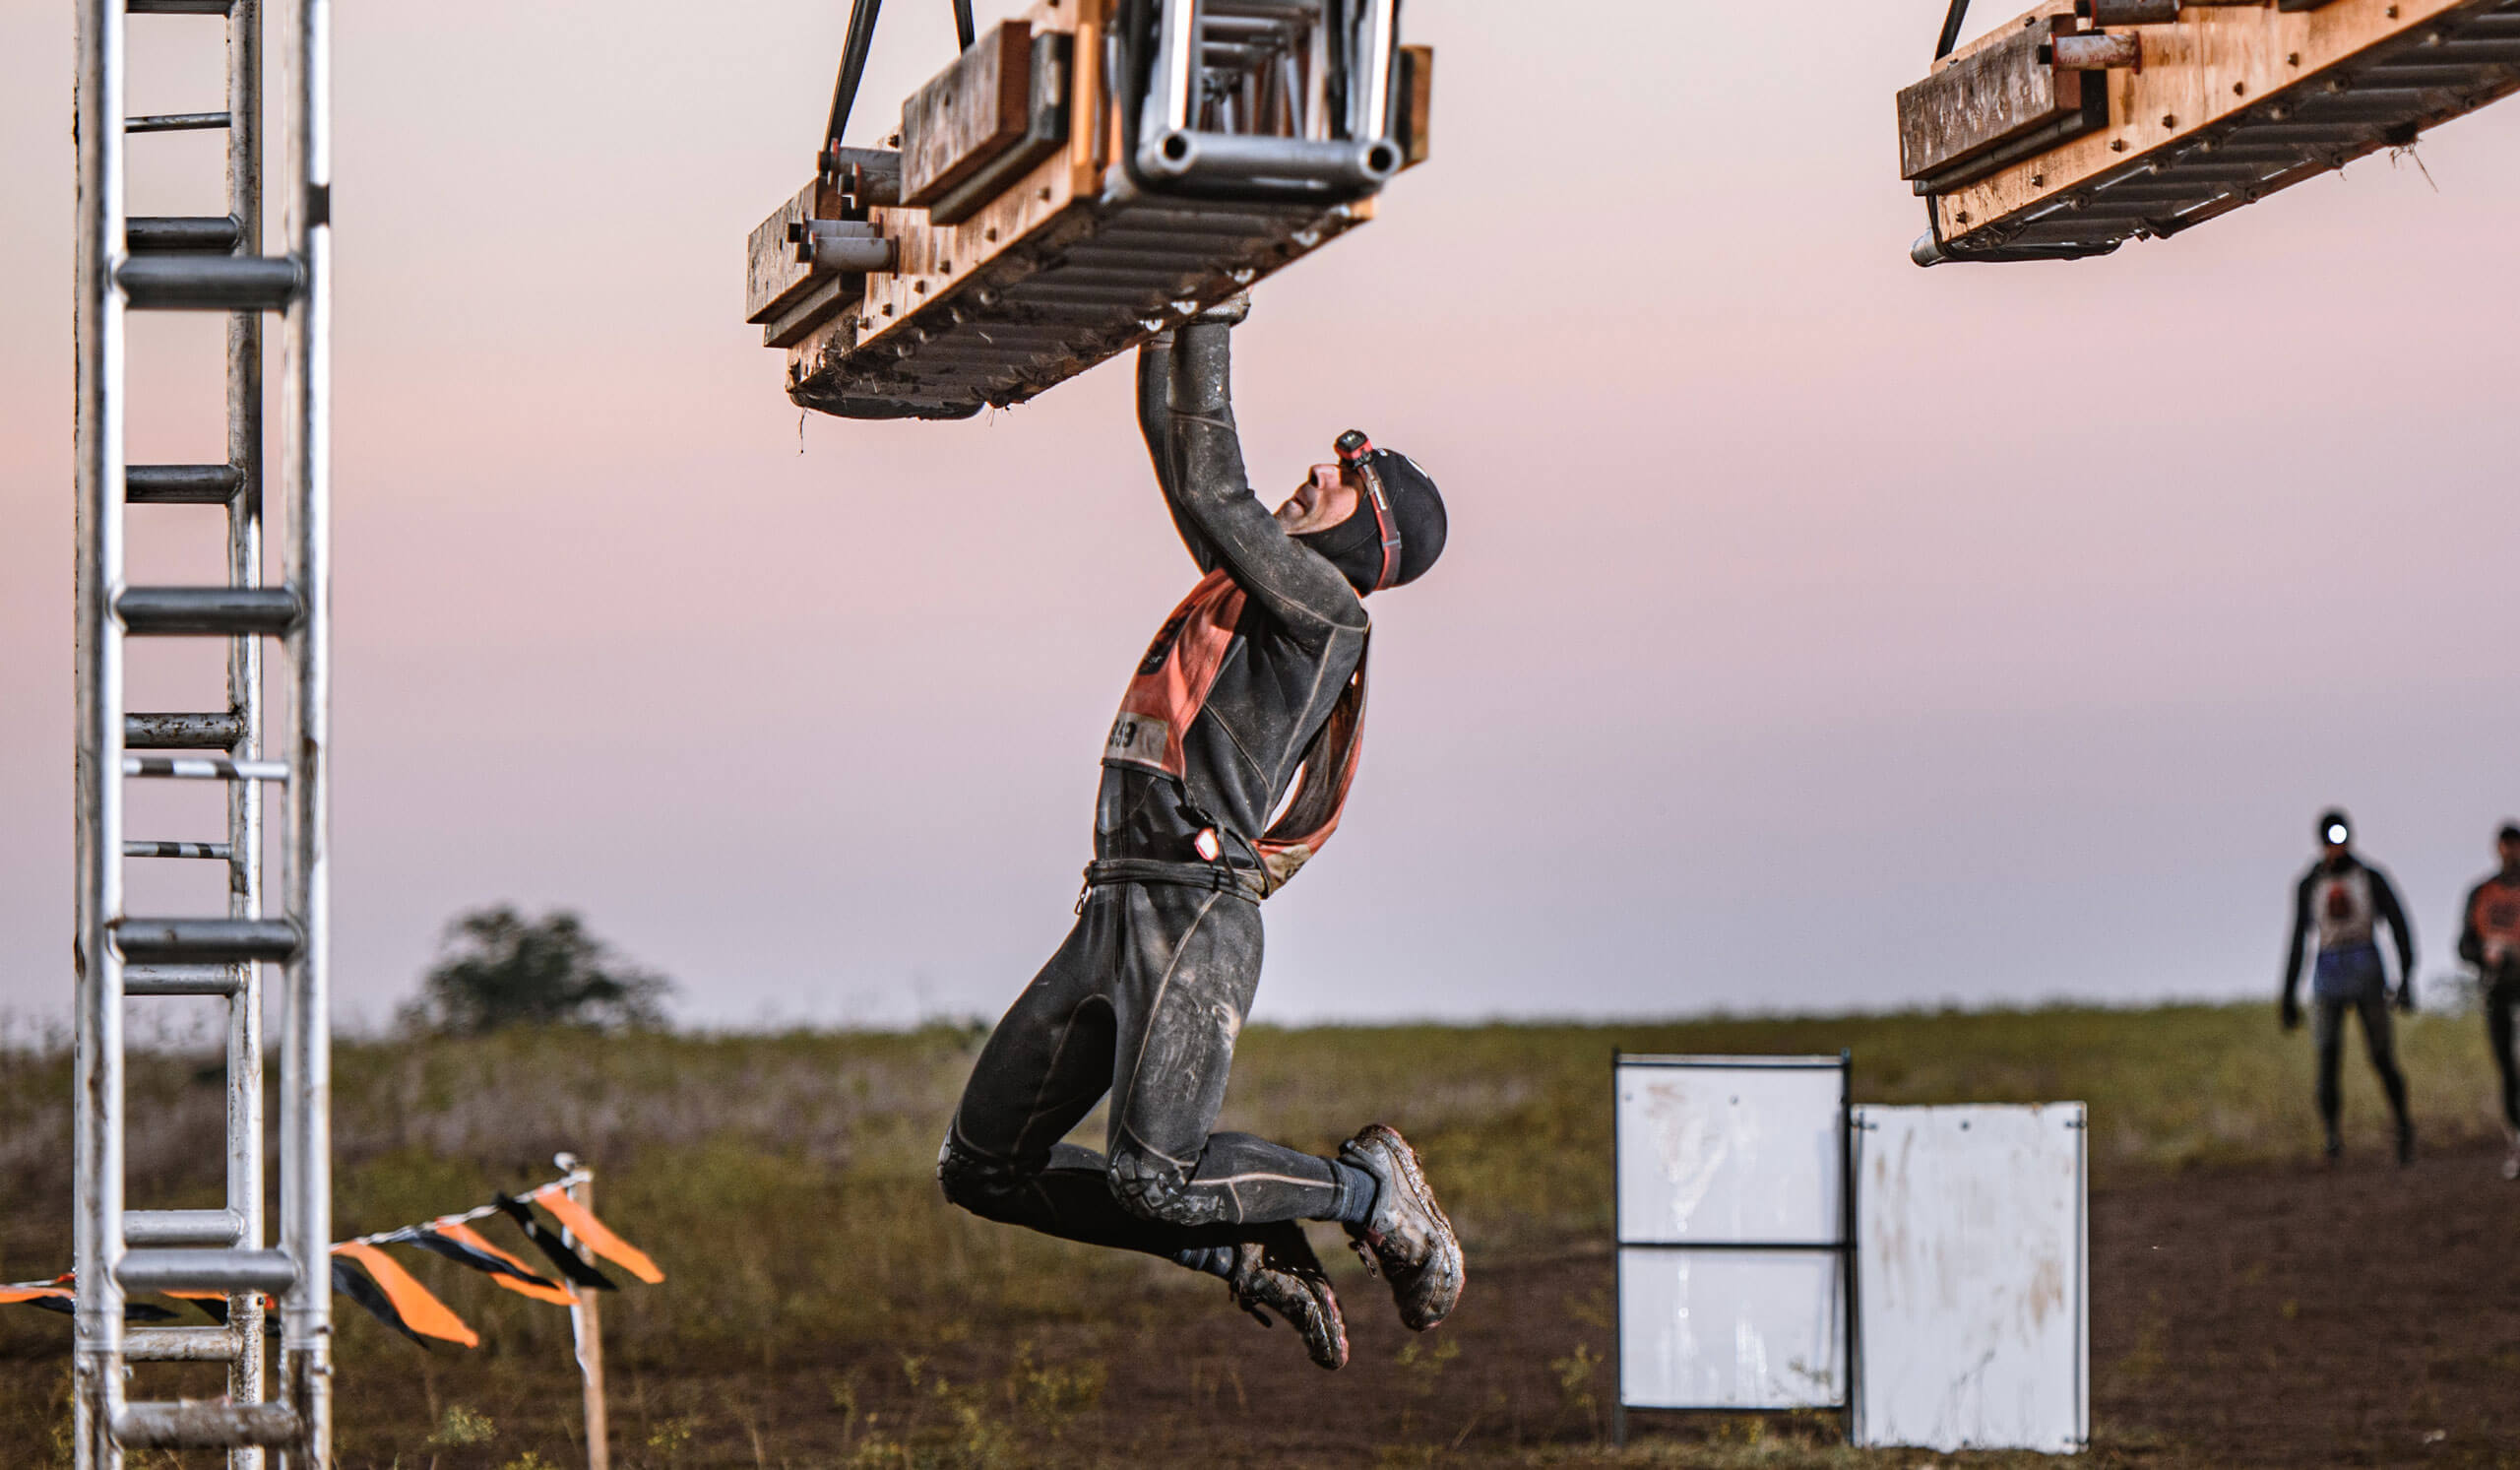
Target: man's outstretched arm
1155,425
1212,491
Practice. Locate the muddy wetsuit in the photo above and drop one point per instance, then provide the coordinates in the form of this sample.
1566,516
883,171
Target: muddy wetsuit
1146,996
2340,903
2490,939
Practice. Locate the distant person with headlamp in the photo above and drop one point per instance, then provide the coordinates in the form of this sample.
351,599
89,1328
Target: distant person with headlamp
2490,939
2340,904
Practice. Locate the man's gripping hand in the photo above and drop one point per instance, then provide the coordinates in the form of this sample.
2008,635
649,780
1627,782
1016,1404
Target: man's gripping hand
2291,1013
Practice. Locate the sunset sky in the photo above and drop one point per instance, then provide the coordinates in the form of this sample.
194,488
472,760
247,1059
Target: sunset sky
1815,631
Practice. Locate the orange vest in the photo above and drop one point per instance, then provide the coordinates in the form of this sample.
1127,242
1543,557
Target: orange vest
2496,920
1170,687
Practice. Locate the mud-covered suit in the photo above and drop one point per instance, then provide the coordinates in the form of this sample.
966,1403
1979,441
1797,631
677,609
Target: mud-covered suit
1146,996
2340,903
2490,939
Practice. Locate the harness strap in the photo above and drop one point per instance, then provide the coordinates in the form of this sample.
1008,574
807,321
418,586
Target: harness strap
1215,877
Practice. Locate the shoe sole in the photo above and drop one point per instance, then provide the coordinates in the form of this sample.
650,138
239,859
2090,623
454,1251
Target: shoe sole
1338,1336
1447,1247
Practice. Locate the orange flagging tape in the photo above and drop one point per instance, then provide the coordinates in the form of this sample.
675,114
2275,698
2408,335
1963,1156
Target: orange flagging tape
424,1312
465,1235
33,1293
593,1232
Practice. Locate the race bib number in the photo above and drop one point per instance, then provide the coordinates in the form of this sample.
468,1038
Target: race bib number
1141,738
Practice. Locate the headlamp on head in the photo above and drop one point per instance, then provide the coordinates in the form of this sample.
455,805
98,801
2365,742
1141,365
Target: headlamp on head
1357,457
2336,833
2334,829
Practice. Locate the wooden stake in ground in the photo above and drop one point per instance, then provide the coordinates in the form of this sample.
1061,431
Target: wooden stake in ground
585,1321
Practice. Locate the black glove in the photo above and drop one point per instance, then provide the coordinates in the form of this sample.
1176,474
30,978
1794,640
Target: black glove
2406,997
2291,1012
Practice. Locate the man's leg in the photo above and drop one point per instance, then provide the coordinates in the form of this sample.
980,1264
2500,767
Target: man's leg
1188,971
1049,1061
2379,1038
1043,1070
2499,1003
2501,1000
2327,1031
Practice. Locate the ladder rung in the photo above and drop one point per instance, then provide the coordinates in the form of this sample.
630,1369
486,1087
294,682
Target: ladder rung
180,1345
189,1423
210,282
182,731
179,7
181,484
205,941
180,980
203,768
213,1270
215,852
181,1228
155,232
219,611
175,122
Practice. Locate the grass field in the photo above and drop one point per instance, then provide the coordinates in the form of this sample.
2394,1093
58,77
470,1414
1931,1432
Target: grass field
824,1305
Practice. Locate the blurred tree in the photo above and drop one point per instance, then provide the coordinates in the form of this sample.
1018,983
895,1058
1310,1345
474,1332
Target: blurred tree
496,969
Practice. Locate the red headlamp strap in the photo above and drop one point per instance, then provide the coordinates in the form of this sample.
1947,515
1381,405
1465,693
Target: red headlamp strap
1356,451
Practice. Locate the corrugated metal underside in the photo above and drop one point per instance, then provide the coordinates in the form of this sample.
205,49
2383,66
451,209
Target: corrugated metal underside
1087,286
2381,100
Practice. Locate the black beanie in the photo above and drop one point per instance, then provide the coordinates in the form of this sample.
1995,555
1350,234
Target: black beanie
1354,544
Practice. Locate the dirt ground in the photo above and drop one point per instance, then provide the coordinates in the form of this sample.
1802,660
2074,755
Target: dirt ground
2266,1316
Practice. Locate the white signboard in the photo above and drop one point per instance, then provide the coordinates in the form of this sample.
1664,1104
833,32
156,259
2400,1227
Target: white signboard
1731,1228
1728,1149
1731,1329
1970,1278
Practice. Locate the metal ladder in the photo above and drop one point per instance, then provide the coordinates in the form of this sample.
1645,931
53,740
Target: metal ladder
207,264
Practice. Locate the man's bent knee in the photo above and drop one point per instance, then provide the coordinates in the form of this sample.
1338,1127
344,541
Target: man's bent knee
1158,1190
977,1185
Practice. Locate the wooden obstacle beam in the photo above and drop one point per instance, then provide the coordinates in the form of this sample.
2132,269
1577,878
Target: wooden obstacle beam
2087,123
1042,210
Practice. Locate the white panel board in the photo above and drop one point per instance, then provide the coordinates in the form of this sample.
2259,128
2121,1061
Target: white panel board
1970,1278
1729,1329
1729,1150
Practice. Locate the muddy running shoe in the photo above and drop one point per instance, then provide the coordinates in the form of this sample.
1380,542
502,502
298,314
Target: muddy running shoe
2333,1150
2406,1143
1284,1276
2511,1158
1406,1239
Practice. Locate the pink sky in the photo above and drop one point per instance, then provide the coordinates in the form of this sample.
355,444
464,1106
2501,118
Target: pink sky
1816,631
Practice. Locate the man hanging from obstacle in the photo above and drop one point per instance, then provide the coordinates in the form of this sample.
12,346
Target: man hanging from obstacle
1254,687
2490,939
2341,901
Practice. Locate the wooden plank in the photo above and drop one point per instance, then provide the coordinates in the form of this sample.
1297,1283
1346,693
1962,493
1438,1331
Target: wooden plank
967,115
774,276
1417,103
1995,94
1045,133
2199,73
925,311
934,257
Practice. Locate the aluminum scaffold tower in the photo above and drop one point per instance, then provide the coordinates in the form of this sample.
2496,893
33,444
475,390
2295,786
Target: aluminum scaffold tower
215,264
